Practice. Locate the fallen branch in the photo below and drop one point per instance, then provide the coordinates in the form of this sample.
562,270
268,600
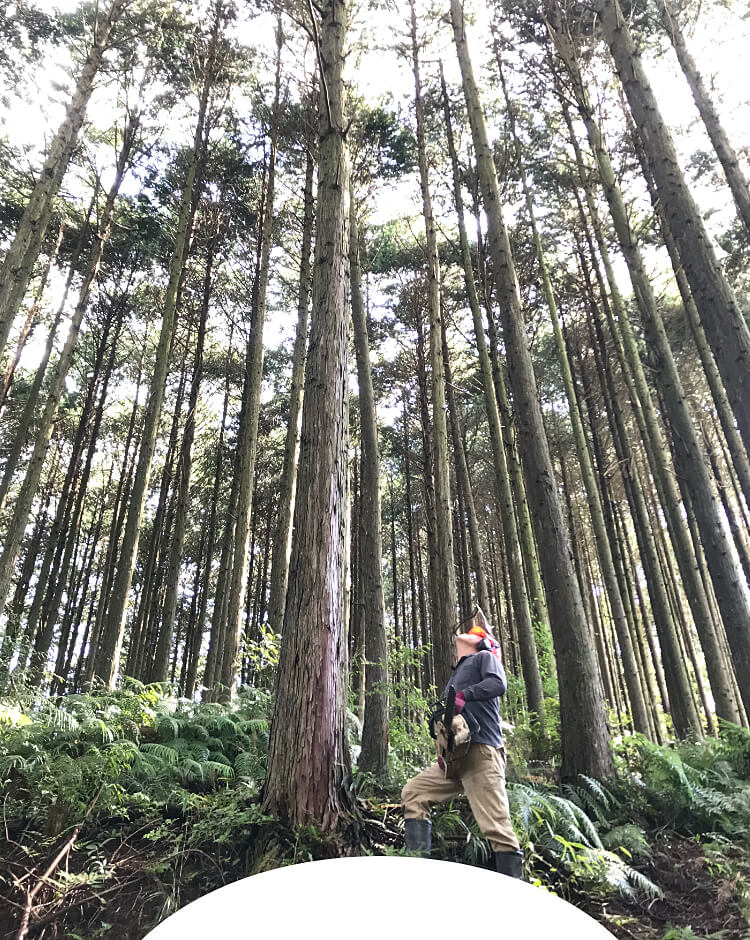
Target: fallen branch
31,895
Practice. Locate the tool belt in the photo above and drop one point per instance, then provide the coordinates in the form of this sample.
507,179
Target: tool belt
451,732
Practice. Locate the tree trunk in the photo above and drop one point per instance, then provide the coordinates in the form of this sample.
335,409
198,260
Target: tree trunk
32,399
307,755
248,434
718,136
53,589
30,483
184,466
585,736
374,755
30,321
603,548
18,263
718,392
445,580
531,674
635,376
726,329
684,716
108,659
690,460
288,484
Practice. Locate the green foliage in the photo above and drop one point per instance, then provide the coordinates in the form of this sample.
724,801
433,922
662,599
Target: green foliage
563,833
138,745
263,655
527,745
410,745
687,933
695,788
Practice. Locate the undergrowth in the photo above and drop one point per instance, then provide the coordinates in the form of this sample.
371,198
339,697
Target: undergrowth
176,785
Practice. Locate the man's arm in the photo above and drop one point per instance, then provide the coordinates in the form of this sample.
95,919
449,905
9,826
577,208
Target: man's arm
493,682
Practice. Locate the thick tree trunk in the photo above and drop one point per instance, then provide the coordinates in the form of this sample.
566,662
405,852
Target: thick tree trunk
307,756
585,736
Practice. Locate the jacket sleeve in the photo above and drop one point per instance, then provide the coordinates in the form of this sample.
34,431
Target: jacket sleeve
493,682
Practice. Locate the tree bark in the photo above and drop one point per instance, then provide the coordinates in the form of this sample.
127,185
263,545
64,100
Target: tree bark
307,756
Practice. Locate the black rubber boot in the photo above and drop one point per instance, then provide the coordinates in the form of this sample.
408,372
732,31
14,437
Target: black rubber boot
509,863
417,836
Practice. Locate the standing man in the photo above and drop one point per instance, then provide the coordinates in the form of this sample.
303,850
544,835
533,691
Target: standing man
478,679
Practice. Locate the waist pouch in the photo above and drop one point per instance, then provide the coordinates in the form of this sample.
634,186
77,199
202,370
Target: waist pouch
452,733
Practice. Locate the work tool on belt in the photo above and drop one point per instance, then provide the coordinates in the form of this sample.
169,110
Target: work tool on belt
452,732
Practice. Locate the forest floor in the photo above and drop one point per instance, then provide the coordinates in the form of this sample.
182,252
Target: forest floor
149,867
706,901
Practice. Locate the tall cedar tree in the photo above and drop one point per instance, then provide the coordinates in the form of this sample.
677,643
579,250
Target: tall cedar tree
307,757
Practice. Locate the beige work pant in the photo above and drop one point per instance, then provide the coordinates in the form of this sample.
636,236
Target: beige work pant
481,776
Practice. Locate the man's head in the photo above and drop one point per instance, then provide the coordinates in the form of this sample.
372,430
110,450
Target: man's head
476,638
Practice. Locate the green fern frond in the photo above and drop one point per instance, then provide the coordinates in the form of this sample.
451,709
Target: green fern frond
220,725
255,726
191,771
167,727
10,762
218,770
246,765
163,752
97,727
630,838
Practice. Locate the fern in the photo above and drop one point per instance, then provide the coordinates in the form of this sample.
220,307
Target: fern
167,727
217,769
628,838
164,753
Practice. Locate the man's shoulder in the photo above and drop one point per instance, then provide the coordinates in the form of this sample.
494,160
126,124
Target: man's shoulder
481,662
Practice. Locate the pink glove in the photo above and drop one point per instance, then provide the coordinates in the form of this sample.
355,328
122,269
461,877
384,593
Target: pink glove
460,702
